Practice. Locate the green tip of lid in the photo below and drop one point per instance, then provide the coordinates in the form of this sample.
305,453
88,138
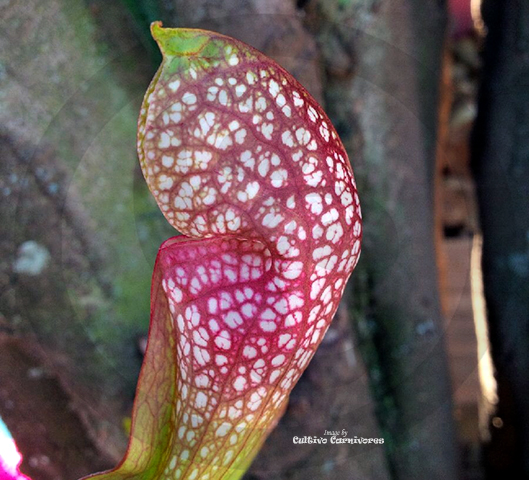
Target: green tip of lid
179,41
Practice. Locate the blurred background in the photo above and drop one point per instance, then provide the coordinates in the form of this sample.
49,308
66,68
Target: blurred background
430,347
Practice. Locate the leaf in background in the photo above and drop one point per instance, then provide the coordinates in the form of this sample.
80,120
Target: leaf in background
247,166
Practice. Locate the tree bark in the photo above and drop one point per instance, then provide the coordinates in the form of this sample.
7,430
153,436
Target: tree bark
77,246
501,167
70,110
385,109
